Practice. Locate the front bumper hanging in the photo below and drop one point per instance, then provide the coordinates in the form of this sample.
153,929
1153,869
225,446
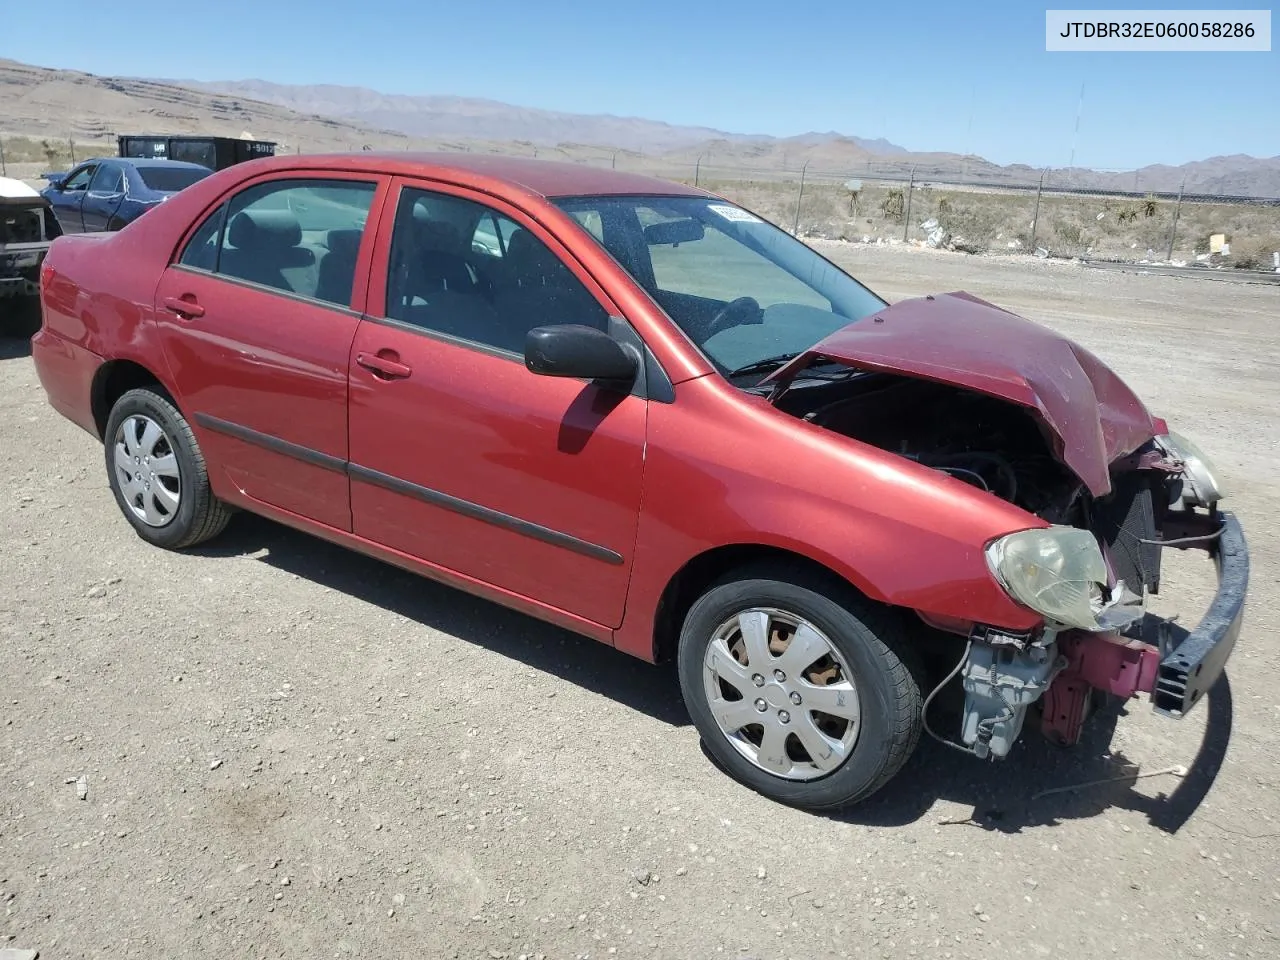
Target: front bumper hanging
1191,664
1158,656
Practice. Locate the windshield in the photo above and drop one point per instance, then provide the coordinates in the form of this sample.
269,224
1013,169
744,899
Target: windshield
747,293
171,179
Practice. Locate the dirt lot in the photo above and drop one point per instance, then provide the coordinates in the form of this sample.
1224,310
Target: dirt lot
294,751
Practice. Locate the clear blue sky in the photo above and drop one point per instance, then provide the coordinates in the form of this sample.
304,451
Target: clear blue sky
915,73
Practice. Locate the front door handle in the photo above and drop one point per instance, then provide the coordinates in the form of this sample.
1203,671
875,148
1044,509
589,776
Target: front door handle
184,306
385,365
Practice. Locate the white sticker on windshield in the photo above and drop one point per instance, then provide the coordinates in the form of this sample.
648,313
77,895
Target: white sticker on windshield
735,214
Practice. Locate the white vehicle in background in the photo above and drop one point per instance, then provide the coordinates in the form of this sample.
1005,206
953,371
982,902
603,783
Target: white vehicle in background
27,227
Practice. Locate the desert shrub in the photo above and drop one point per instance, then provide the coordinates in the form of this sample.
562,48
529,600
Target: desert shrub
976,223
894,205
1253,254
1070,237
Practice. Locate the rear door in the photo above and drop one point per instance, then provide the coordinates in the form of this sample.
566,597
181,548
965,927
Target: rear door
257,323
103,198
459,455
67,201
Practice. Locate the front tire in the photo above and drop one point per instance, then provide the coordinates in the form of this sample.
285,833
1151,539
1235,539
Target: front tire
158,474
799,687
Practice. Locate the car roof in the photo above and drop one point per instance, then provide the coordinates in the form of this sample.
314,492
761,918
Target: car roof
159,162
547,178
147,162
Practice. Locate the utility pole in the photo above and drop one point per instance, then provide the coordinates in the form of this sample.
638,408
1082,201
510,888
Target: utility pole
1035,217
1173,231
1076,136
795,229
911,188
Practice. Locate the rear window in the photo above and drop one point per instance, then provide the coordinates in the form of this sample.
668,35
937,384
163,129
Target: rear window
170,179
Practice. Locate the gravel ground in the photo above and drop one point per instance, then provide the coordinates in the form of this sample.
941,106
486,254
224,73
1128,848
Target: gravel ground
290,750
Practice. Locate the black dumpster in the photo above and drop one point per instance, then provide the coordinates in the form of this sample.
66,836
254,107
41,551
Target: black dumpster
213,152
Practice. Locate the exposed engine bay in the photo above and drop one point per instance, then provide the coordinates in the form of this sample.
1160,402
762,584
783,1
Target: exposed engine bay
985,441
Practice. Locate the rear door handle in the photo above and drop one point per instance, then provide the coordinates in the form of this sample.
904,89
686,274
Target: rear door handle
183,306
384,365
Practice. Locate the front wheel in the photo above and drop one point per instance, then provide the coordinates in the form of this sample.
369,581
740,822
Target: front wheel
158,474
799,687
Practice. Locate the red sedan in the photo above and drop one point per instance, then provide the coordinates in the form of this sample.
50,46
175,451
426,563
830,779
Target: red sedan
643,413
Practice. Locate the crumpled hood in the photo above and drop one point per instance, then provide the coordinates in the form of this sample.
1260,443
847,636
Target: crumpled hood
956,338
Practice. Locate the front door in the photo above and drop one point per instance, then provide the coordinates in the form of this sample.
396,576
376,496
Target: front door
103,198
257,323
462,457
68,200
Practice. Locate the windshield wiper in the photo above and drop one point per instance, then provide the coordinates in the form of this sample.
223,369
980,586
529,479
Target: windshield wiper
764,366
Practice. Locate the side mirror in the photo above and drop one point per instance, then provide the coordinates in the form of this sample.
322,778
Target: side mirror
574,350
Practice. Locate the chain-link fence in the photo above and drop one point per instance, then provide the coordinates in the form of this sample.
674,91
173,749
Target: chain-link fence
1055,215
972,207
26,158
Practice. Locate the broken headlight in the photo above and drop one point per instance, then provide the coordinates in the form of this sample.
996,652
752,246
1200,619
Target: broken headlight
1056,571
1200,484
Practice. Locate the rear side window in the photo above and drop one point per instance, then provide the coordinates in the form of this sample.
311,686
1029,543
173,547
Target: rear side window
171,179
301,237
202,249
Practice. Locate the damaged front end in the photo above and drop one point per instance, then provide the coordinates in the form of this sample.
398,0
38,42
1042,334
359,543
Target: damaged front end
1126,651
1023,414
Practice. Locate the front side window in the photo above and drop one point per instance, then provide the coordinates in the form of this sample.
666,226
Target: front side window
79,180
462,269
747,293
298,236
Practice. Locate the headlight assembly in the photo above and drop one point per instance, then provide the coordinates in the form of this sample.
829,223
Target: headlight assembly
1056,571
1200,481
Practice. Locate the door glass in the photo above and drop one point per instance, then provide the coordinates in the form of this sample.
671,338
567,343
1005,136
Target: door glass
460,268
298,236
80,179
109,179
202,249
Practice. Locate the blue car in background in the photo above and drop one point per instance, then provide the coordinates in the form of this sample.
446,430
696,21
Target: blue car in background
106,193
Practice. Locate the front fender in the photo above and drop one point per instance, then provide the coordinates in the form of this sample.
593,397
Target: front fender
900,533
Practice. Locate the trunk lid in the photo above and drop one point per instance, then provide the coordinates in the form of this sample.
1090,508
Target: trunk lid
1090,414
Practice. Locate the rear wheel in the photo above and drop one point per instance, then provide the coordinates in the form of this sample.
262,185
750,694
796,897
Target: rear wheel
158,474
796,687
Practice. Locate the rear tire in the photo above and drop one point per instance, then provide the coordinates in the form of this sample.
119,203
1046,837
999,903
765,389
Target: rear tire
858,650
158,474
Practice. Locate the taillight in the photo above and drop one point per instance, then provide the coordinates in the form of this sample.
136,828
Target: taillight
46,274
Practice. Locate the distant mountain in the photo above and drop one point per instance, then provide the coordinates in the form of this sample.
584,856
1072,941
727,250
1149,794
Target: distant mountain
51,104
468,118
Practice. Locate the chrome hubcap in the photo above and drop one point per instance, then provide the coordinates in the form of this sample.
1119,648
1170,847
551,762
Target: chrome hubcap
781,693
147,471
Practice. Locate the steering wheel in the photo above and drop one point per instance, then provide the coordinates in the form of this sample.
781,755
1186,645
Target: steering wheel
734,314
